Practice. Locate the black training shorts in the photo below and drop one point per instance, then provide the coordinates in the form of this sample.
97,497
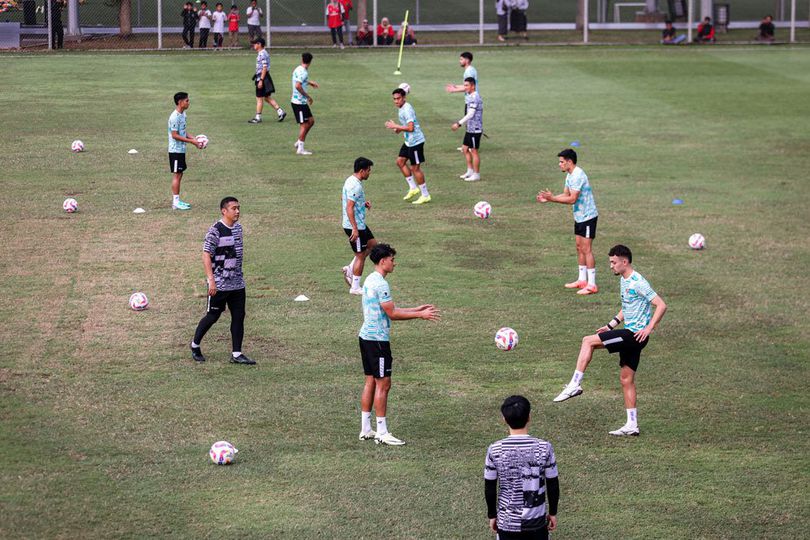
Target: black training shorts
302,112
177,162
472,140
267,87
586,229
414,154
376,357
364,235
624,342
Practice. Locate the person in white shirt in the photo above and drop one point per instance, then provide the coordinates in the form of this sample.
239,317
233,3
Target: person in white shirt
205,24
254,15
502,11
219,17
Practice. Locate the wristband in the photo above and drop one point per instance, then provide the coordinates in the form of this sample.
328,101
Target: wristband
614,322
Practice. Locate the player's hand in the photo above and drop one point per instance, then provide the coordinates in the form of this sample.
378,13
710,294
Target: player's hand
313,84
390,124
260,83
450,87
199,144
368,205
212,288
455,126
354,236
309,100
430,313
605,328
552,523
544,196
643,334
493,524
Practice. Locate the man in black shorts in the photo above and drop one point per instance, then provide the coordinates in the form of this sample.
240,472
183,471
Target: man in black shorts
413,150
361,239
301,100
222,260
638,297
264,83
177,147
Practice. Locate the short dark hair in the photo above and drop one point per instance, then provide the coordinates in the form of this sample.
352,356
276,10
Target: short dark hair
708,19
219,4
362,163
180,96
470,80
620,250
227,200
380,252
203,3
306,58
467,55
515,411
259,40
398,91
568,153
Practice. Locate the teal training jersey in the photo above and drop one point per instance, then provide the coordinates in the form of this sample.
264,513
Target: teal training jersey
300,74
353,191
585,205
407,114
376,324
470,71
637,297
177,122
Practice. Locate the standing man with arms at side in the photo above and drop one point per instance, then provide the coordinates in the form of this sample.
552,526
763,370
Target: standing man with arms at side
254,20
578,193
177,147
361,239
189,24
347,19
301,100
412,150
518,473
375,347
223,250
639,322
474,118
264,83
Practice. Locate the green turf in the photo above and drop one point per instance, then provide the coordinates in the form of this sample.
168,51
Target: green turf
106,422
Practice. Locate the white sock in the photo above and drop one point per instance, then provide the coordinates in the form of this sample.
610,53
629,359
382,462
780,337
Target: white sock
470,171
355,282
299,143
258,116
236,354
351,265
582,273
175,199
423,189
591,276
411,182
382,428
195,345
365,421
632,418
280,111
576,379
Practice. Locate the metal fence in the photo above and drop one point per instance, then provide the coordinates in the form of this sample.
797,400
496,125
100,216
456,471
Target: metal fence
158,24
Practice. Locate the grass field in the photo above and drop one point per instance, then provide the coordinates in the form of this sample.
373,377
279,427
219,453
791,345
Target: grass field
106,421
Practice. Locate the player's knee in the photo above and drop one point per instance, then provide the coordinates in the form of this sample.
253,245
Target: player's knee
627,379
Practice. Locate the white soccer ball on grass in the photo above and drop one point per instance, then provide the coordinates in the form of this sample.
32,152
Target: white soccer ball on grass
70,205
77,146
222,453
482,209
696,241
138,301
506,339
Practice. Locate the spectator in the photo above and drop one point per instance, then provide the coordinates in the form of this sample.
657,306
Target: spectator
233,26
190,17
347,22
57,31
766,30
385,32
517,17
410,35
502,11
254,21
205,24
334,19
365,35
219,17
705,31
668,36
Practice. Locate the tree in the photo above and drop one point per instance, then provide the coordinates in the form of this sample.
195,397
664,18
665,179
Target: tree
125,17
581,14
362,10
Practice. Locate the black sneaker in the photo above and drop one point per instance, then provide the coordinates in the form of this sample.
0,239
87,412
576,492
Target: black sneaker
255,121
282,116
242,359
197,355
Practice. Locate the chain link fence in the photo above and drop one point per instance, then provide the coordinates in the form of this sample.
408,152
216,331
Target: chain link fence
159,24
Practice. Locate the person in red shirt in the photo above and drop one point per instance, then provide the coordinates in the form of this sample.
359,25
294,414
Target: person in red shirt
385,32
334,19
347,23
365,34
233,26
705,31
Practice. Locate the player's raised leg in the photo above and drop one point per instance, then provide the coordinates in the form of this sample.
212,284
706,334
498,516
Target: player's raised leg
574,388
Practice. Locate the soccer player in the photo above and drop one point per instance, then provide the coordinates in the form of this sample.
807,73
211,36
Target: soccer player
638,298
301,100
375,348
465,61
412,150
264,83
578,193
361,240
474,118
222,259
518,473
177,147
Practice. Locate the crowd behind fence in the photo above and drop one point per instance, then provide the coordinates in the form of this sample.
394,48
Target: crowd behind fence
159,24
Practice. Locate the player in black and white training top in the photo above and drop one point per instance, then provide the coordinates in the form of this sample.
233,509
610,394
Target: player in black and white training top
474,118
519,472
222,259
264,83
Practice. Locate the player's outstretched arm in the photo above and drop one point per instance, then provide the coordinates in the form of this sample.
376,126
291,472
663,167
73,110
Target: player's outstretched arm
453,88
567,197
427,312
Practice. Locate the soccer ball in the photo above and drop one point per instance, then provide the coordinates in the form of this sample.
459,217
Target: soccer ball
222,453
482,209
202,139
696,241
138,301
405,86
70,205
506,339
77,146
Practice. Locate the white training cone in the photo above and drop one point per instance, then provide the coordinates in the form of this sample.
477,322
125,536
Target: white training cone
133,151
138,211
301,298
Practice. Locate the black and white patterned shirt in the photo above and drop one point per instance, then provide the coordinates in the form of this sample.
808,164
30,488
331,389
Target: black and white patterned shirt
521,464
224,244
